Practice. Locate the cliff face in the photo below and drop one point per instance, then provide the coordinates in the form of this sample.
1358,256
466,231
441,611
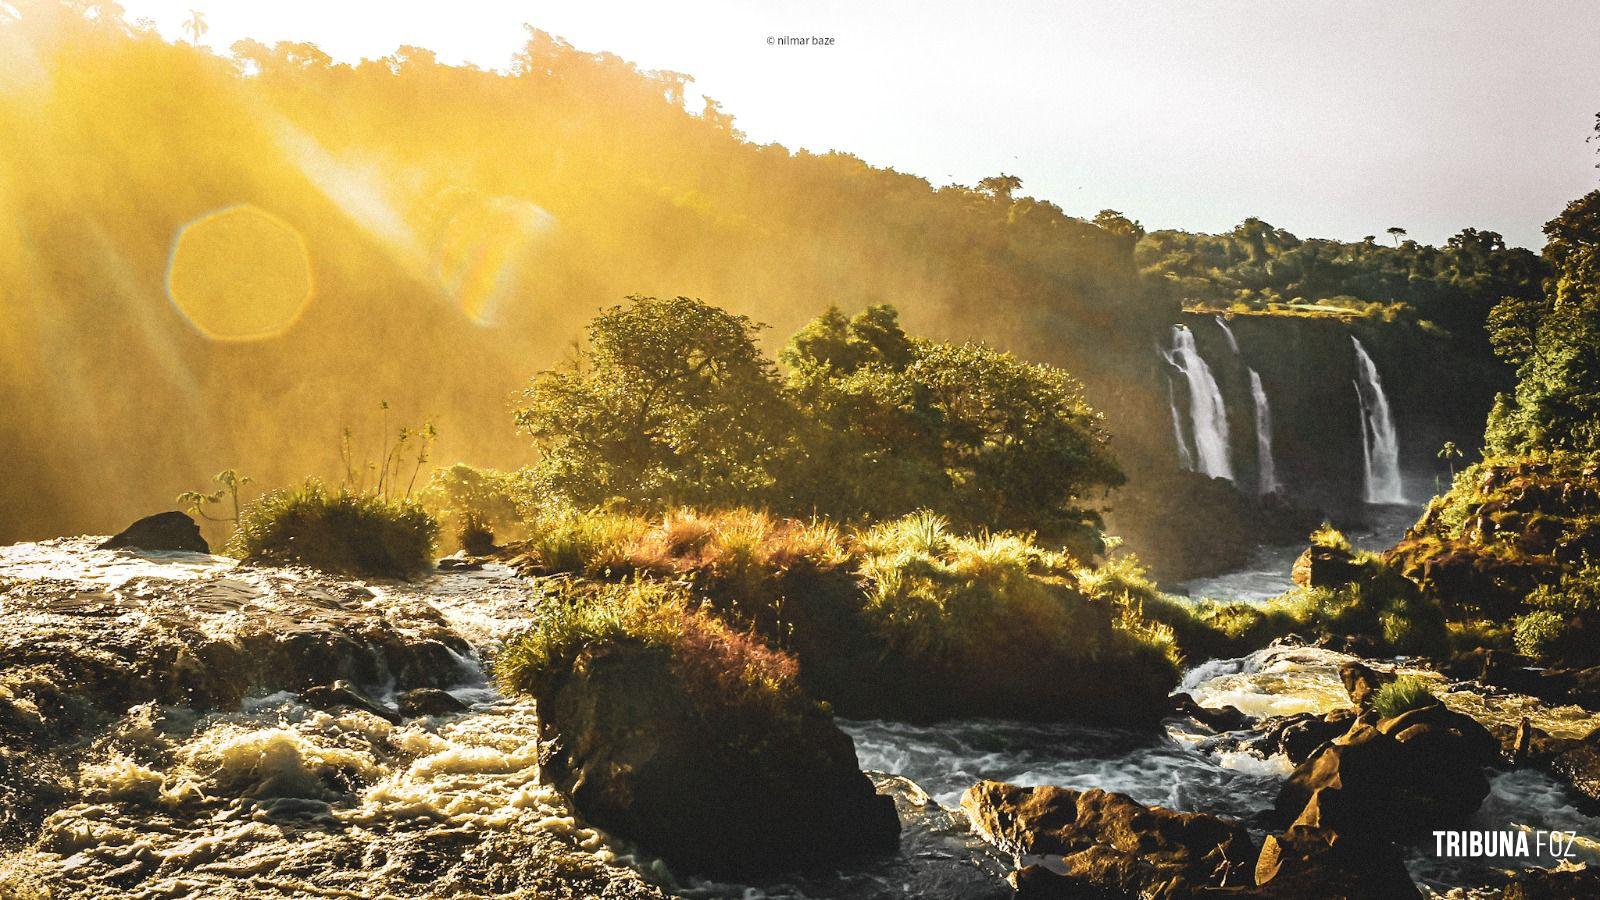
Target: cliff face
1308,369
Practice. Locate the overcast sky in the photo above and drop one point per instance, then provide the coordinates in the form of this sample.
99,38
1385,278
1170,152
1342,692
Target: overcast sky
1328,119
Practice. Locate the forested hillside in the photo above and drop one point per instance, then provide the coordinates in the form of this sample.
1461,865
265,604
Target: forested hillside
214,261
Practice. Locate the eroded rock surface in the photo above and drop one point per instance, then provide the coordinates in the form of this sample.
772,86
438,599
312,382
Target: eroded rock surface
1093,843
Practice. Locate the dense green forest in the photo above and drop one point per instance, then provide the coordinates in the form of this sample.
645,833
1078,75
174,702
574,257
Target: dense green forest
429,235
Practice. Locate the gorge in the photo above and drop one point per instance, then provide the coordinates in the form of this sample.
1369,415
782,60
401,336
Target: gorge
427,480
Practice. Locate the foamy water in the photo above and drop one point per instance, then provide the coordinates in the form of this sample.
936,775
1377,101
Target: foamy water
275,799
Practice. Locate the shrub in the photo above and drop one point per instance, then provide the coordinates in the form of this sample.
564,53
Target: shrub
1538,634
744,691
583,542
1576,592
1402,695
1330,538
469,500
1000,608
474,534
337,531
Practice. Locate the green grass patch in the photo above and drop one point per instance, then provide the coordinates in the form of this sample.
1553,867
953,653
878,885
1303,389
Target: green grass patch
1402,695
337,531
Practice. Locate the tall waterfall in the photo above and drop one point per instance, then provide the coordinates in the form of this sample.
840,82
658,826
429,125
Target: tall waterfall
1380,444
1206,409
1266,469
1233,342
1185,458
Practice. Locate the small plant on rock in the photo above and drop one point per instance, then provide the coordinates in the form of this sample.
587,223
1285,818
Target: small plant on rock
1406,693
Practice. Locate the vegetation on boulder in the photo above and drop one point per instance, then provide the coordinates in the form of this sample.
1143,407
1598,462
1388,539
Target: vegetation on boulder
689,737
337,531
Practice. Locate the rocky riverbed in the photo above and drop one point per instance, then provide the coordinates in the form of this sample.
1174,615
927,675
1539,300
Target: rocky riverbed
177,724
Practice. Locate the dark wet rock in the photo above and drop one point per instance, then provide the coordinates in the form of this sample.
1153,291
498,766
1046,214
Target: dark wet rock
1300,735
461,562
1578,883
844,661
344,695
428,702
1362,681
1512,672
1220,718
162,531
1397,781
1575,761
1307,862
1325,567
1095,843
637,759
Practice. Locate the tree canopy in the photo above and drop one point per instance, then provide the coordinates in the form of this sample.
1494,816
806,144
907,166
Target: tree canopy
1554,340
671,402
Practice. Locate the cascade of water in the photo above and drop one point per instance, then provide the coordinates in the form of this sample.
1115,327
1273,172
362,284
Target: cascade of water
1206,408
1380,442
1266,469
1185,458
1232,341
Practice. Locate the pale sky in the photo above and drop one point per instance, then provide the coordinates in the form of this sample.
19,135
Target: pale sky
1328,119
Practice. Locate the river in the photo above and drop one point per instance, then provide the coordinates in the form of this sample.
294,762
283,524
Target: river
457,798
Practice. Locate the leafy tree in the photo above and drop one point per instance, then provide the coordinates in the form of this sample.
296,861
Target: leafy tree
670,403
1396,232
868,437
1556,404
892,423
1000,187
1449,452
1019,442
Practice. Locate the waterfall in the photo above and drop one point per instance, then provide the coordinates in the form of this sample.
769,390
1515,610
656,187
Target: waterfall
1185,458
1206,409
1232,341
1266,469
1380,444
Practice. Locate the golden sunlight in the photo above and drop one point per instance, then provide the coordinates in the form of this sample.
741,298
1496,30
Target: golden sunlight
482,250
240,274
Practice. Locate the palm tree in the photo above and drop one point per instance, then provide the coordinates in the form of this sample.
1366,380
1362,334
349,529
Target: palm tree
196,26
1450,453
1395,231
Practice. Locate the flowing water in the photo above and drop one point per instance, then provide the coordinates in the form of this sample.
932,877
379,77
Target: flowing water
1233,342
275,799
1185,457
1266,468
1207,411
1380,441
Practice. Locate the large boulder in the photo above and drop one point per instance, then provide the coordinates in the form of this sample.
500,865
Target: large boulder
160,532
1299,735
1306,862
1577,883
1095,843
344,695
1395,781
637,758
1361,681
1322,566
1467,579
1575,761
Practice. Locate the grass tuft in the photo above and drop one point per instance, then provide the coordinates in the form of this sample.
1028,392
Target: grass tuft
337,532
1402,695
